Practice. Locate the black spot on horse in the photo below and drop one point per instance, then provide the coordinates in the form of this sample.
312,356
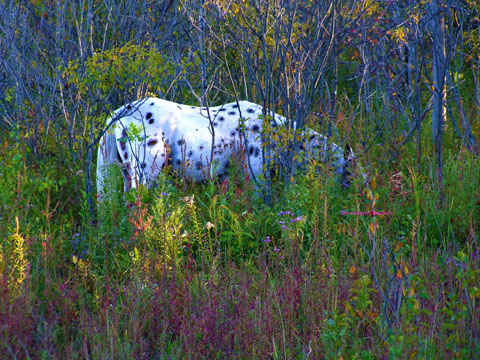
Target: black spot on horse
190,153
215,124
232,134
256,128
149,115
143,165
201,147
152,104
251,149
221,118
129,107
235,106
178,161
151,121
152,142
181,141
124,133
198,165
257,152
222,110
125,155
231,113
250,110
123,146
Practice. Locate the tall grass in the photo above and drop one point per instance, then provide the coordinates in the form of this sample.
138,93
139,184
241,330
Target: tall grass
207,271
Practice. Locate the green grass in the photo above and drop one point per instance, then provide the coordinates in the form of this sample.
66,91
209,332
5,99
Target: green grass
208,271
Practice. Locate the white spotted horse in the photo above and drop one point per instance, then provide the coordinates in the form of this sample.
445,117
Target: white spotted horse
148,134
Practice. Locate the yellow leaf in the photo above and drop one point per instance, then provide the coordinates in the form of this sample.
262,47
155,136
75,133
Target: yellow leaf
372,227
353,269
405,270
399,274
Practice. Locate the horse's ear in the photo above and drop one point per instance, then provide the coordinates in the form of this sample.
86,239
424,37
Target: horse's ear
348,153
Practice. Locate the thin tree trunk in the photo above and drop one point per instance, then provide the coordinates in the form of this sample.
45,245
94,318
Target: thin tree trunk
439,91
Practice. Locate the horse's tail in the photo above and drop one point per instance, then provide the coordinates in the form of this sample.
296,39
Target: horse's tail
107,155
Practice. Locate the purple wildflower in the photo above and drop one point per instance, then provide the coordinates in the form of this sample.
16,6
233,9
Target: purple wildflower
297,219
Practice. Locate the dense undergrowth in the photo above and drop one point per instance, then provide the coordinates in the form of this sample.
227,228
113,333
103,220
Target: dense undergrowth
208,271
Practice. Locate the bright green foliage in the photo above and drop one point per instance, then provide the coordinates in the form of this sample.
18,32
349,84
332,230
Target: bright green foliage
134,70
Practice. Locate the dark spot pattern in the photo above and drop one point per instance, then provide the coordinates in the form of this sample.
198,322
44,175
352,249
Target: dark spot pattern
235,106
231,113
198,166
256,128
221,118
232,134
124,133
129,107
181,141
257,152
152,104
123,145
152,142
151,121
190,153
251,149
222,109
250,110
201,147
125,155
178,161
215,124
143,165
